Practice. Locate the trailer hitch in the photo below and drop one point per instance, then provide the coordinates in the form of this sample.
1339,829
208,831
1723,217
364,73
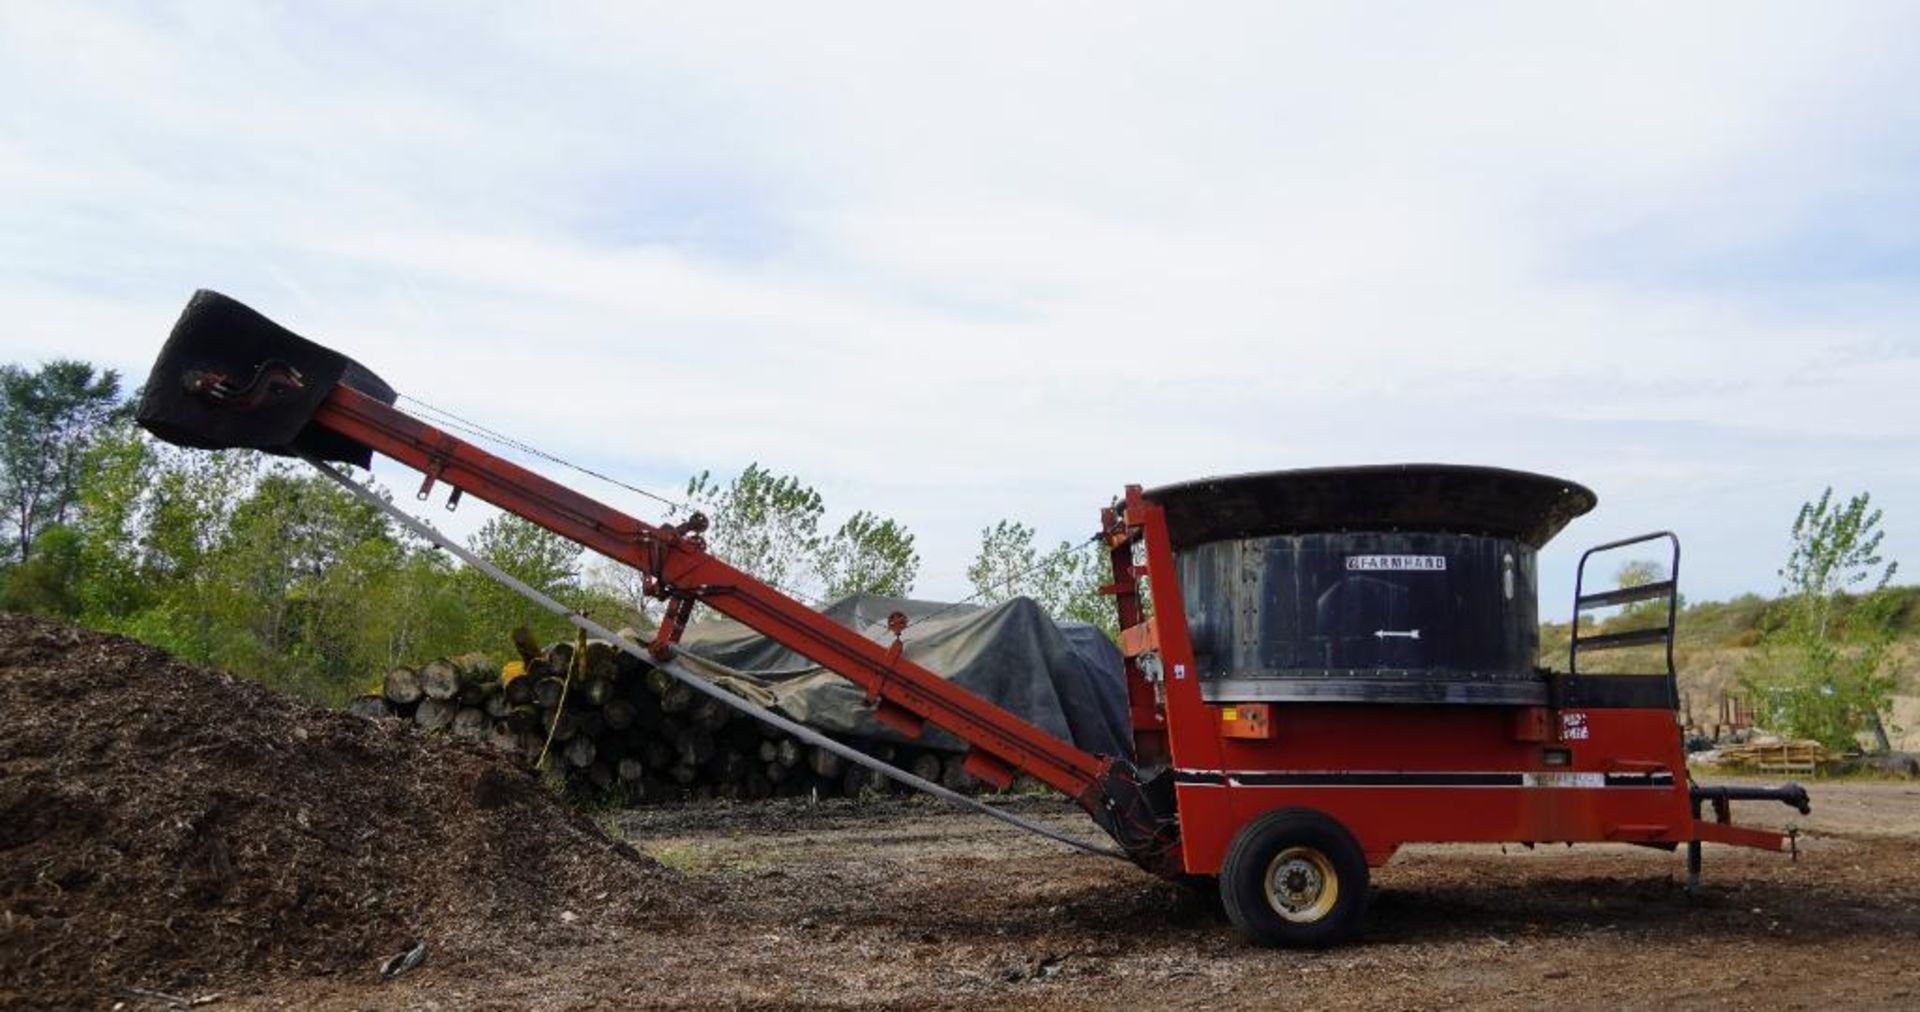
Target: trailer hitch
1722,797
1792,795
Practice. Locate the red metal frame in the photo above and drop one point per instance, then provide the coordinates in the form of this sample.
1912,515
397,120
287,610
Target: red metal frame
1391,774
680,570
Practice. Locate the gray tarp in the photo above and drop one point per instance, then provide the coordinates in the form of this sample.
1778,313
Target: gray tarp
1065,678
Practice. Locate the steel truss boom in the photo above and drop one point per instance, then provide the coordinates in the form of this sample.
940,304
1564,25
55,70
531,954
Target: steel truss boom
679,570
693,681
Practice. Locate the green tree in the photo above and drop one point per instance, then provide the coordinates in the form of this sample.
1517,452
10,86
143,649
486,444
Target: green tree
1005,564
294,570
536,556
274,573
770,526
280,575
1080,576
1639,573
48,419
1065,582
114,478
1825,670
764,523
47,582
183,515
420,613
868,554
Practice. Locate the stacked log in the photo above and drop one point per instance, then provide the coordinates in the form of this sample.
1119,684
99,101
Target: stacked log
612,725
1768,754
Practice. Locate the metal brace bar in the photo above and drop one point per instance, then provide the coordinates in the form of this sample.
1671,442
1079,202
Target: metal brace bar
694,681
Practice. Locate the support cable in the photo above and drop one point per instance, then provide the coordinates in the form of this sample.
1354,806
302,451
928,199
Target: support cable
466,426
474,428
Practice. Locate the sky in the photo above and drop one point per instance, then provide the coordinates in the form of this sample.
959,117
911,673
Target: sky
1000,260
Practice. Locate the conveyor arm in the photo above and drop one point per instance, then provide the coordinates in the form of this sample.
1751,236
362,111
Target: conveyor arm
229,377
680,570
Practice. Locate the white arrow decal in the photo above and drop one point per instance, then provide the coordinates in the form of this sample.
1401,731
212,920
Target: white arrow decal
1381,634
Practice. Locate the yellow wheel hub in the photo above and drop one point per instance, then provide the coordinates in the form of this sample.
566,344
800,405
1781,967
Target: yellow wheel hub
1301,884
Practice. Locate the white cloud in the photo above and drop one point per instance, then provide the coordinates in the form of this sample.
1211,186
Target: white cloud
999,261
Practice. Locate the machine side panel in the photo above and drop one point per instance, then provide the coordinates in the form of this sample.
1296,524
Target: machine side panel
1398,775
1427,607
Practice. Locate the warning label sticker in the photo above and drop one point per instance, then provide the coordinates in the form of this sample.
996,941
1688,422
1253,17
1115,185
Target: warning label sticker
1398,563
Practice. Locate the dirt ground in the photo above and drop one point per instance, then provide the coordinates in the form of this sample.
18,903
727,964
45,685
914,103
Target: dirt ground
906,904
172,832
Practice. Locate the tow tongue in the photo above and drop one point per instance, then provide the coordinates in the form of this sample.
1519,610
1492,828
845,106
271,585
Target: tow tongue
229,377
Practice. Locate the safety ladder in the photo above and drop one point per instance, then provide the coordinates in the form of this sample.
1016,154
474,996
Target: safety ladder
1122,531
1667,589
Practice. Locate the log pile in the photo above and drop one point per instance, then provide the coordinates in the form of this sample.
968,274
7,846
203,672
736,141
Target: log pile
613,726
1769,753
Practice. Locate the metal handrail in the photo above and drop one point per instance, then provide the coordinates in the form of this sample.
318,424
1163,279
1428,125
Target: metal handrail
1670,587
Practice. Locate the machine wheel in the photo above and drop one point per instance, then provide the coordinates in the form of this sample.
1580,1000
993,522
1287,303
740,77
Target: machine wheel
1294,878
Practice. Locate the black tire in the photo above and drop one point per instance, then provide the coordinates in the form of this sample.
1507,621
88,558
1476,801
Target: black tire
1317,873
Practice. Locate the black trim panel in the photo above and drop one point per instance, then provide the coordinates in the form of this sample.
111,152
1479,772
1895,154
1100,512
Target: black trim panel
1639,780
1367,687
1611,692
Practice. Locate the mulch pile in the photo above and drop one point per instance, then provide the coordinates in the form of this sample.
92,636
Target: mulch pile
170,829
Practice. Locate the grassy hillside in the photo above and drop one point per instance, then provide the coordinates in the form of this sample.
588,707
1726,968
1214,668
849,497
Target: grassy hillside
1715,639
1720,625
